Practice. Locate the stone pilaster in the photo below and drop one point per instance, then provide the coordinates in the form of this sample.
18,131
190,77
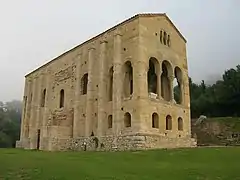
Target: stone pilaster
39,92
140,70
48,89
102,95
32,112
32,122
24,112
117,83
90,92
77,96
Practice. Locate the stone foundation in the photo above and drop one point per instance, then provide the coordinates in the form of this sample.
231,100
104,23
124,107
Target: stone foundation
112,143
23,143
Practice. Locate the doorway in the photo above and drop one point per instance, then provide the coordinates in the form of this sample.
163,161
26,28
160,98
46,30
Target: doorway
38,139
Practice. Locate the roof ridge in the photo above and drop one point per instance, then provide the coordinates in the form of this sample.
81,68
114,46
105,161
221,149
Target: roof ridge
108,30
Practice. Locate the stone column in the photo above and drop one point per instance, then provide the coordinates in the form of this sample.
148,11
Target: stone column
117,84
102,87
171,78
90,90
159,89
77,97
182,95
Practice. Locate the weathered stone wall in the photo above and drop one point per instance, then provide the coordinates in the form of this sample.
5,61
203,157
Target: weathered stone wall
217,131
120,143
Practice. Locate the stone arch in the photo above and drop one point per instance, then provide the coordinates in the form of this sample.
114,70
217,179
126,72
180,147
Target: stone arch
110,84
127,119
128,79
84,83
168,122
109,121
178,86
166,82
153,71
61,103
180,124
155,120
43,98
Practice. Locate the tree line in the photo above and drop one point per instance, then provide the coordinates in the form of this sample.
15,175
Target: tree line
10,117
220,99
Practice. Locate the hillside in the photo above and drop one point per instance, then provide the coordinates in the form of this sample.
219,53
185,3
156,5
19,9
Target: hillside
217,131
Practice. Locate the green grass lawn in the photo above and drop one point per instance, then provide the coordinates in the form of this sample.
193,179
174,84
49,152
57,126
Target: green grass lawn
178,164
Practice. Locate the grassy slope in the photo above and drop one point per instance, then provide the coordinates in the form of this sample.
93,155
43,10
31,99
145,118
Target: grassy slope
181,164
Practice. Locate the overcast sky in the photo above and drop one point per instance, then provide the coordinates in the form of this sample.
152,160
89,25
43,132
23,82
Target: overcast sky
33,32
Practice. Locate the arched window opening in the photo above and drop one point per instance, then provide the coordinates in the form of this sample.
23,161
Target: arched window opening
128,79
168,122
109,121
127,120
155,120
161,36
43,99
61,99
165,81
177,83
180,124
164,38
84,83
168,40
152,75
110,82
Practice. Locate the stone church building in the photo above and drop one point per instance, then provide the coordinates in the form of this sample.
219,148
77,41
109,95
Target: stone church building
114,91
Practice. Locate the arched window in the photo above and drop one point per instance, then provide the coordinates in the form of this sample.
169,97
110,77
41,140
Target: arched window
168,122
155,120
166,84
61,99
127,120
164,38
161,36
43,99
110,84
128,79
84,83
109,121
180,124
178,91
168,40
153,70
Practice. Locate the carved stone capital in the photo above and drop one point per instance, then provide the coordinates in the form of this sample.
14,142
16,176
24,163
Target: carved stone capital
117,33
91,47
171,77
103,40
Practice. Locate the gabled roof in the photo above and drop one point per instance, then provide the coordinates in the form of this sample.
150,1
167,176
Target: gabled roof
111,29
